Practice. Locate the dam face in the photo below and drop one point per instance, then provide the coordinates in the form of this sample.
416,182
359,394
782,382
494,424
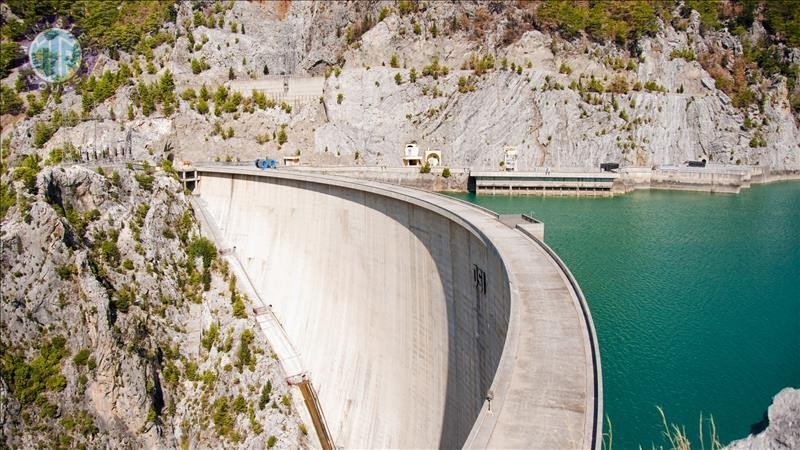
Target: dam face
400,310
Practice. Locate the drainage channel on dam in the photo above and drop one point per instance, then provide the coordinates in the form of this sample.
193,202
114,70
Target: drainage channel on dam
416,320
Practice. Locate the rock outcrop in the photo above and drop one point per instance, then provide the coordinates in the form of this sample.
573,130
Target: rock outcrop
783,431
121,327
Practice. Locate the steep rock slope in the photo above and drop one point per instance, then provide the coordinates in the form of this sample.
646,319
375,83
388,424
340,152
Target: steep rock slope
487,75
122,328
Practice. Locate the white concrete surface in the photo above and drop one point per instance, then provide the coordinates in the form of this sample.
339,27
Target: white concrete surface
375,286
290,89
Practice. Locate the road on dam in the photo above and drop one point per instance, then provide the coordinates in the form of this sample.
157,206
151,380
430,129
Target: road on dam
422,321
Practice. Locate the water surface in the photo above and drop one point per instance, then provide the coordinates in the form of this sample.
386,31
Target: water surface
695,298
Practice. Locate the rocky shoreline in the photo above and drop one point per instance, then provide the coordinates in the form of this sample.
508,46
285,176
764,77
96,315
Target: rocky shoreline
783,431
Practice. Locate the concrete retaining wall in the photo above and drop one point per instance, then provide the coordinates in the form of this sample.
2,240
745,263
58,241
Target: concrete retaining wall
364,285
403,176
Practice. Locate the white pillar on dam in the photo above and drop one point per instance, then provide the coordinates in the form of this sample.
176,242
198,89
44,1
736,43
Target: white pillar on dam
407,308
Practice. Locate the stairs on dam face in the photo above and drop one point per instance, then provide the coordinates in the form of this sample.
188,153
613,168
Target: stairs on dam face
315,410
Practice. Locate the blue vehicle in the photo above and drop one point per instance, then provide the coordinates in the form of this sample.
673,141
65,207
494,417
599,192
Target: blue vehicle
266,164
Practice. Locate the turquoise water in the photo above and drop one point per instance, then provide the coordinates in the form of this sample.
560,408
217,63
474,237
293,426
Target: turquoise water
695,297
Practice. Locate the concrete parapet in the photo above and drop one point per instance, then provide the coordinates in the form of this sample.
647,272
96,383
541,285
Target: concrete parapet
422,320
403,176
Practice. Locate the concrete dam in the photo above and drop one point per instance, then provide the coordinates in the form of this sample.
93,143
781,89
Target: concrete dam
422,321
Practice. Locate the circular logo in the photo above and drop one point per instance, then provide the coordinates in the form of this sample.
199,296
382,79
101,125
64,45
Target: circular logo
55,55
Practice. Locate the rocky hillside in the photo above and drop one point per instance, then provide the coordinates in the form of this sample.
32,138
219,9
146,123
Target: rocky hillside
642,83
122,327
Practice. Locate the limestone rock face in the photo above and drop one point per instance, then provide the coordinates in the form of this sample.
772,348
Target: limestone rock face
103,264
538,97
783,431
533,109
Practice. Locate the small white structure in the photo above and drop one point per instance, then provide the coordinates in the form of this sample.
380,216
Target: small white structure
293,160
510,159
433,157
411,156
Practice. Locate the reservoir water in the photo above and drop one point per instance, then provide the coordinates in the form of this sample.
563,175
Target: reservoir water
695,298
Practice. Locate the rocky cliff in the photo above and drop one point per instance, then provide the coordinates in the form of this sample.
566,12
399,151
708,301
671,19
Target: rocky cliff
122,327
465,78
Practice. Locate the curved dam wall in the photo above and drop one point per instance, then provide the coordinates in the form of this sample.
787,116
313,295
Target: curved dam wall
403,314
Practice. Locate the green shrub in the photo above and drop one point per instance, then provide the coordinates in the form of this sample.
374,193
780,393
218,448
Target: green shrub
479,64
239,404
339,98
239,309
8,198
145,181
282,138
210,336
652,86
27,380
619,85
11,55
199,65
125,296
398,79
565,69
42,132
758,141
466,84
110,252
434,69
66,271
56,383
744,98
393,62
412,75
188,94
265,393
10,103
27,171
685,53
271,441
446,172
383,13
82,357
204,248
425,168
222,417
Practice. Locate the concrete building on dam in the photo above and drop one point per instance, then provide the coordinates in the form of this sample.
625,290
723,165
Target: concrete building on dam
421,321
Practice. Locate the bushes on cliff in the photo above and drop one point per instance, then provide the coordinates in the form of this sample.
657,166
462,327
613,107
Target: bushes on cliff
203,248
480,64
10,103
601,21
26,172
685,53
27,379
8,198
